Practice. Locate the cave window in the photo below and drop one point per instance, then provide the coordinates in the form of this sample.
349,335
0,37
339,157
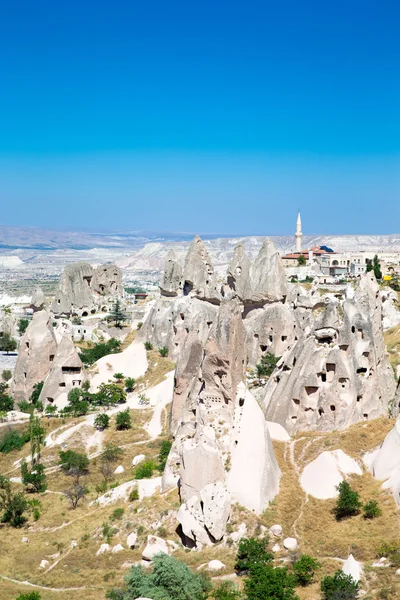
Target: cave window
71,369
353,329
270,338
365,415
283,338
51,357
182,316
27,344
320,412
359,398
187,288
62,384
362,370
296,401
333,407
51,400
241,402
263,348
84,314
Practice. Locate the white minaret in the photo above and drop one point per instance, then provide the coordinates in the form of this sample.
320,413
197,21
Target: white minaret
298,234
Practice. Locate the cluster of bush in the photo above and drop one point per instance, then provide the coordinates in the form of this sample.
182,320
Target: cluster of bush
171,579
267,365
163,351
349,504
91,355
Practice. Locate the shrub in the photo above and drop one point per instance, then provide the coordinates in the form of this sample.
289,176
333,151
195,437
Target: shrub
265,581
50,410
102,421
267,365
226,591
134,495
371,510
76,493
6,403
348,503
119,376
139,325
163,454
123,420
22,326
111,453
7,343
109,394
13,440
148,345
29,596
13,505
252,552
130,384
170,579
163,351
6,375
117,514
77,321
34,478
145,469
304,569
90,355
340,586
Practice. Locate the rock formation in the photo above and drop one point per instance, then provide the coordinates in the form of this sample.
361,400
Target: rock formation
36,353
338,374
66,373
38,299
85,290
218,425
386,464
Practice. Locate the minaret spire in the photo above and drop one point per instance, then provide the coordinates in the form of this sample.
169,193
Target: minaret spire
299,233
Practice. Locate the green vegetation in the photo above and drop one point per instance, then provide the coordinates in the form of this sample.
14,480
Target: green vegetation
252,552
117,514
7,343
304,569
169,579
226,591
146,469
90,355
267,365
375,267
163,351
139,325
6,402
163,454
148,346
371,510
13,505
37,389
130,384
265,581
22,326
119,376
339,587
13,439
117,314
108,458
123,420
33,476
348,503
29,596
6,375
102,421
74,464
301,260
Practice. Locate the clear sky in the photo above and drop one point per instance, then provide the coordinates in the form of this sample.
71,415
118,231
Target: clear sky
209,116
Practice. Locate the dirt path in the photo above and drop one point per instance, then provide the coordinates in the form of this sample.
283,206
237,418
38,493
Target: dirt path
50,589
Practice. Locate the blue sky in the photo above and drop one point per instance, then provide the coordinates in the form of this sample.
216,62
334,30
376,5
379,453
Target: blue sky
201,116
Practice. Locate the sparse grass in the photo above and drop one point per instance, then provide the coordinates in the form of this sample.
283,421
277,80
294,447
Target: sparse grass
392,341
159,366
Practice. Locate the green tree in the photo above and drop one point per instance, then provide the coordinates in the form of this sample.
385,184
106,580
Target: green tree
77,405
34,479
265,581
22,326
252,552
339,587
110,394
348,503
145,470
117,314
130,384
163,454
170,579
267,365
102,421
13,505
304,569
108,458
75,493
75,464
6,375
50,410
371,510
123,420
301,260
7,343
36,391
90,355
6,402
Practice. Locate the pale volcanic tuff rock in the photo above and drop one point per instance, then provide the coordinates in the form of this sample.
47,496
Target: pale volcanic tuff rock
37,350
386,464
66,373
215,433
84,289
38,299
171,282
339,373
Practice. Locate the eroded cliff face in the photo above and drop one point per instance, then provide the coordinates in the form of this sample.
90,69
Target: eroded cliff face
338,373
84,290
